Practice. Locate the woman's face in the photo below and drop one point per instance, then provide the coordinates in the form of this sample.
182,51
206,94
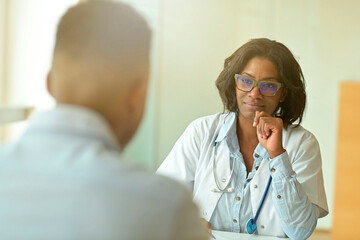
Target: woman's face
249,102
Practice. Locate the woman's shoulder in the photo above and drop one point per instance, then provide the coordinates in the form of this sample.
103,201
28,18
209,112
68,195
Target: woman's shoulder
208,125
209,121
297,133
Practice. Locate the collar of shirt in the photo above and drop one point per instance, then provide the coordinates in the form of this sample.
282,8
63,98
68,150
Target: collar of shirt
76,120
230,120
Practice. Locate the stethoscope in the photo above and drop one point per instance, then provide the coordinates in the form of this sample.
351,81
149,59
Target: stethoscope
220,189
251,225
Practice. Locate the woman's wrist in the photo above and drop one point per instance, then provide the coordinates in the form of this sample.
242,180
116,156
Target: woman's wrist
276,153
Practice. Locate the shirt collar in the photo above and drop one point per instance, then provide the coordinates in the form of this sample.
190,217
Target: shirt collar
228,125
228,130
77,120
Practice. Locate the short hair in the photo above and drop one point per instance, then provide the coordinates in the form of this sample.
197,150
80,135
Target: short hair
103,31
292,108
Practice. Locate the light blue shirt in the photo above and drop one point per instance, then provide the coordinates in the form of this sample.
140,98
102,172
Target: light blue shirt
66,179
234,210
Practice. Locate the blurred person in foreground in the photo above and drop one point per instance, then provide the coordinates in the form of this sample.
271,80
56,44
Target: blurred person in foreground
65,177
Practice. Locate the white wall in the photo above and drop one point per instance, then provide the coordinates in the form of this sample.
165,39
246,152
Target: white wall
30,36
2,47
196,36
141,149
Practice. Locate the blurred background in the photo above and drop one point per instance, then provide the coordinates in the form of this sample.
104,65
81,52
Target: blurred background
191,39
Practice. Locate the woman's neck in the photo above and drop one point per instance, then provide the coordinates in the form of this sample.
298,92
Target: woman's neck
245,130
247,139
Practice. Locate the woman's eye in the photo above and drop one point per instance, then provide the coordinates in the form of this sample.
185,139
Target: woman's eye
247,81
269,85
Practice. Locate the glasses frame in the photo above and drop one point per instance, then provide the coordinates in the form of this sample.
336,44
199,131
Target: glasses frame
279,84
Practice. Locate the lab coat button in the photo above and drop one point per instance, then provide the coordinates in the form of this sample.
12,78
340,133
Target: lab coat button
273,170
257,167
237,198
262,226
248,180
278,196
255,186
223,180
234,220
257,155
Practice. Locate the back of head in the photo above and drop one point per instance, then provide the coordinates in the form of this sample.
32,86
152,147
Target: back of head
105,32
101,57
98,40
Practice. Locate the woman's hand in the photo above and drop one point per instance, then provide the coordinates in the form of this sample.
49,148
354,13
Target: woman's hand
269,133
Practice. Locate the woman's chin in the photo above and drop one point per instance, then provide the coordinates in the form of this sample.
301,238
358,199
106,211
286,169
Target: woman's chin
249,116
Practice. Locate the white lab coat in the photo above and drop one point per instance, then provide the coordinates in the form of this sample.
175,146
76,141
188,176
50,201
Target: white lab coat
190,162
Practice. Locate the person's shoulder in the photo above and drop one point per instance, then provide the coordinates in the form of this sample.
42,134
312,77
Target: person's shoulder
297,129
159,183
210,120
140,183
119,170
297,133
131,196
7,148
156,202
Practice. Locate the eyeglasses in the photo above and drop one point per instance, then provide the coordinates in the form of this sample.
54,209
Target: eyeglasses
267,88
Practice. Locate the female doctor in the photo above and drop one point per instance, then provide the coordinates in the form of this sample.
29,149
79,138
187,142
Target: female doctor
252,170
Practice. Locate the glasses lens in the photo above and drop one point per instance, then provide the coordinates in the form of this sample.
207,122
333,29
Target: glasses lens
244,83
269,88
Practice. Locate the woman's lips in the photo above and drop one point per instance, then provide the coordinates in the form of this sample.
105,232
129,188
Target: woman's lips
254,106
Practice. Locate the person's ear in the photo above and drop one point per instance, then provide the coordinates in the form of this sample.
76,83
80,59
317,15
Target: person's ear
48,84
138,96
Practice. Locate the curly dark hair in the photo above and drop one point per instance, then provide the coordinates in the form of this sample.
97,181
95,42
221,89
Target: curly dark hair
292,108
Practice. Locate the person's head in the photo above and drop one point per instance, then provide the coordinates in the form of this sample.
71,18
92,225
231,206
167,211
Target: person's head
101,61
264,60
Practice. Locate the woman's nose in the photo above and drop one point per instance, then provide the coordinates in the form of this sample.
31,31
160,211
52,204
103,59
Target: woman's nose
255,92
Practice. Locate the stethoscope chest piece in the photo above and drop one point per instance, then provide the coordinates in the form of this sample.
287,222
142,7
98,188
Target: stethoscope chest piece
251,226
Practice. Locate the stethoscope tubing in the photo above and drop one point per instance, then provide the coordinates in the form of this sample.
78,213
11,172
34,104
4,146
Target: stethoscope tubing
215,174
251,224
263,199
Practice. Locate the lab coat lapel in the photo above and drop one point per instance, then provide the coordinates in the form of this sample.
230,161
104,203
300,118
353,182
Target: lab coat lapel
204,196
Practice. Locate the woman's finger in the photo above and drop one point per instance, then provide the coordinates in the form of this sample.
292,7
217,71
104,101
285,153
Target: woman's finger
256,119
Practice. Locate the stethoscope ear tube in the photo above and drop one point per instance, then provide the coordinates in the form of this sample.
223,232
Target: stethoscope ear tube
251,225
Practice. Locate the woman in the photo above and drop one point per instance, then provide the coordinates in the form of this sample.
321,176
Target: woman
233,160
